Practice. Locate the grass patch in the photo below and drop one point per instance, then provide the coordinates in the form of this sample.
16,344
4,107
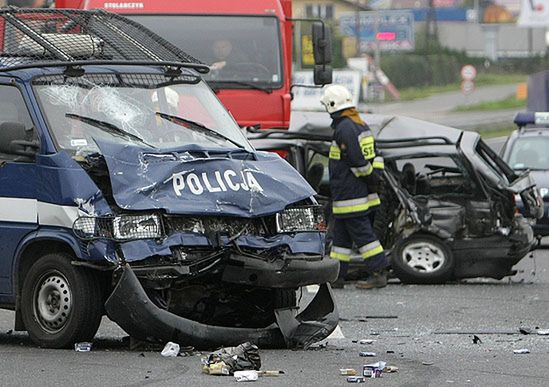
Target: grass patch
412,93
506,103
503,131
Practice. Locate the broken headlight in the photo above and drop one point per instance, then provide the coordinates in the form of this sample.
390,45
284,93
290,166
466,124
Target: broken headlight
137,227
123,227
297,219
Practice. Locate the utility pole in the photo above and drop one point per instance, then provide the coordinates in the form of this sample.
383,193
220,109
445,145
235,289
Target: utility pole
357,27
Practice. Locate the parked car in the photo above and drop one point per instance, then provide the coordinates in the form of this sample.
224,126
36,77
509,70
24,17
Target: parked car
128,189
526,150
448,207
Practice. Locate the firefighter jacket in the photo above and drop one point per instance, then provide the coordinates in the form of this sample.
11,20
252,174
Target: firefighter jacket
352,161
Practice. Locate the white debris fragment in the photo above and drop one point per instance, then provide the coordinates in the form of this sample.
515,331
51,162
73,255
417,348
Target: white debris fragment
170,349
521,351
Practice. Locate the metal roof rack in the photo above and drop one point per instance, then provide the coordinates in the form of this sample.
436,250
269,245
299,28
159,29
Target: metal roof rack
413,142
65,37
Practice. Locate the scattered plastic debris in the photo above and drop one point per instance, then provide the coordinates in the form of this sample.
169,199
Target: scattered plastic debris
367,354
525,330
347,371
356,379
366,341
521,351
170,349
374,370
390,369
427,363
246,376
226,361
83,347
476,340
543,332
270,373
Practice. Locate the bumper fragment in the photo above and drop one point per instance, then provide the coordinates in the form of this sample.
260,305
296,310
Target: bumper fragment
130,307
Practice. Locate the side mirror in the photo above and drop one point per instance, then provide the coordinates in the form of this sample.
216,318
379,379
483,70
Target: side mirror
14,140
322,44
322,74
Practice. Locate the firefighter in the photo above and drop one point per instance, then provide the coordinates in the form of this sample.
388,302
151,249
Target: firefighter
354,182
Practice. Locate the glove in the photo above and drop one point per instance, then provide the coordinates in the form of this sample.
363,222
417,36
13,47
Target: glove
373,181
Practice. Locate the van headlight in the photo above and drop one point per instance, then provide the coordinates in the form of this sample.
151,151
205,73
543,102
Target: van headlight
123,227
299,219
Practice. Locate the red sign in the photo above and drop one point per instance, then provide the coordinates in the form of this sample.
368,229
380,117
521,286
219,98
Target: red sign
386,36
468,73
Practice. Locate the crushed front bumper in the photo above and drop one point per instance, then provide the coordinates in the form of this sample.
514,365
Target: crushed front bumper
130,307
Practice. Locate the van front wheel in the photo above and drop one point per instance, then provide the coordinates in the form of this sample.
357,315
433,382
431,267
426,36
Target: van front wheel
61,304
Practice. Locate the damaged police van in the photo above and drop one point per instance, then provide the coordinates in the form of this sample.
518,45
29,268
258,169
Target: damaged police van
128,189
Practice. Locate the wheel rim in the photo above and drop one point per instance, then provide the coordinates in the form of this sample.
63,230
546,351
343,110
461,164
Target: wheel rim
424,257
52,302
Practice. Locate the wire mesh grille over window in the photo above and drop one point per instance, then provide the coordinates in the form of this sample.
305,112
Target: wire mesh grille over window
47,36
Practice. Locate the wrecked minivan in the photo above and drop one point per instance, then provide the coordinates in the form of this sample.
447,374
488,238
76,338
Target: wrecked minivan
448,204
128,189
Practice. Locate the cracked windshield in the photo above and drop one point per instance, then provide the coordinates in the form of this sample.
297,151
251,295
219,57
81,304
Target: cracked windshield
144,113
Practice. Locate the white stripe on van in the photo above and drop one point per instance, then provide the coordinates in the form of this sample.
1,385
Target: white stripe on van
18,210
56,215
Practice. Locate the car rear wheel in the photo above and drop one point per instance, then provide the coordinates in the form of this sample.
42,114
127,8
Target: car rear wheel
61,304
422,259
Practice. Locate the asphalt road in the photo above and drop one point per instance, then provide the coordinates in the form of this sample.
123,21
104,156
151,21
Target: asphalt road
425,331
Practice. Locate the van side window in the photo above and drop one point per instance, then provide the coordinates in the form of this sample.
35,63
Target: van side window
15,121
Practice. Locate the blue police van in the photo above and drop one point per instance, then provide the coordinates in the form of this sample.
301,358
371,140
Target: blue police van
127,189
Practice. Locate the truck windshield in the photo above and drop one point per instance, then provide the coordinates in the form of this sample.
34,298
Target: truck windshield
127,108
239,49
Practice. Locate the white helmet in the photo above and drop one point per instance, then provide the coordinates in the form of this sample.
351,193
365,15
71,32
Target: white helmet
336,98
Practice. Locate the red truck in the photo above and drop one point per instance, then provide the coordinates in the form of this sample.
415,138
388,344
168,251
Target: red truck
247,43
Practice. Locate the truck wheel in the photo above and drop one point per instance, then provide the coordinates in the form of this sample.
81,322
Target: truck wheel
61,304
422,259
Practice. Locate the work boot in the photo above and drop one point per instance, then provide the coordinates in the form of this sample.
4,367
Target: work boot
338,283
377,279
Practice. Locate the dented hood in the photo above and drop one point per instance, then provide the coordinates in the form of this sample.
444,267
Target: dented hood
195,180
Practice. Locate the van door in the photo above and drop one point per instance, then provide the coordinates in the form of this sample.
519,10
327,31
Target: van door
18,205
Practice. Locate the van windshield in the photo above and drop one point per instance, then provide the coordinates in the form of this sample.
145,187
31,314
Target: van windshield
144,109
243,51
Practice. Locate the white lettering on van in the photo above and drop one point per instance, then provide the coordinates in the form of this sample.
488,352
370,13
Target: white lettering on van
219,182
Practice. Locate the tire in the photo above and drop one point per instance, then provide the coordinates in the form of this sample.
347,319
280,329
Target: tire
54,321
422,259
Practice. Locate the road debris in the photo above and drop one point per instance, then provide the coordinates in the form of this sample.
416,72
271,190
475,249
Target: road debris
270,373
83,347
476,340
347,371
366,341
427,363
543,332
170,349
390,369
226,361
374,370
367,354
525,330
521,351
246,376
356,379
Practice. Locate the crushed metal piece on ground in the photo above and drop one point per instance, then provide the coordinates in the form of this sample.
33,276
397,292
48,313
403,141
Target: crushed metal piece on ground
476,340
521,351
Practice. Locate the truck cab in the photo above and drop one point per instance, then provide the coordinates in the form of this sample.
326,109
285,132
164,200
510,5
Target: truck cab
248,45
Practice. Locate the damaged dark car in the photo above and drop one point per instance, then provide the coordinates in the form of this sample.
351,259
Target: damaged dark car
129,190
448,207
